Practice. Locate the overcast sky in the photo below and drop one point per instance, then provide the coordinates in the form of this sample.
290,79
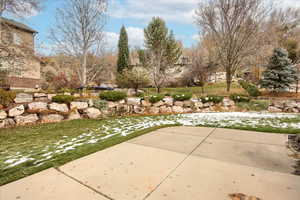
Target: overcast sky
135,15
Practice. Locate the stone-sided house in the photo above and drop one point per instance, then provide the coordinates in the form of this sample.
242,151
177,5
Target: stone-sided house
17,56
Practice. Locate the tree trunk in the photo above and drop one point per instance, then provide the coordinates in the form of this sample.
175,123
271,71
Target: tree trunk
228,80
158,90
84,70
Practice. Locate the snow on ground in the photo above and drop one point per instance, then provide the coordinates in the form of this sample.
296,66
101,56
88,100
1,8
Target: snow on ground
126,126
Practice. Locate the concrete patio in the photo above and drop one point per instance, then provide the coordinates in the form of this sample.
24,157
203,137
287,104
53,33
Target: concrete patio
179,163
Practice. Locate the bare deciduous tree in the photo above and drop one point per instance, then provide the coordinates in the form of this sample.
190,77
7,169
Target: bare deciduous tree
79,33
233,25
19,7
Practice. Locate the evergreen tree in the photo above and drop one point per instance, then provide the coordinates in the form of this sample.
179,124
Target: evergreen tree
123,56
162,51
280,73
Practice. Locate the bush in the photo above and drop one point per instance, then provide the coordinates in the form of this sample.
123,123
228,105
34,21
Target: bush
113,96
182,96
251,89
100,104
254,105
7,97
212,98
239,98
156,98
63,99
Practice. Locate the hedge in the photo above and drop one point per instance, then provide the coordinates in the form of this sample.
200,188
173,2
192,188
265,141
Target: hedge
113,96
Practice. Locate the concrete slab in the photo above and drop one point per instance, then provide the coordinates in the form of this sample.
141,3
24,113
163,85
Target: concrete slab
47,185
250,136
271,157
188,130
126,171
173,142
201,178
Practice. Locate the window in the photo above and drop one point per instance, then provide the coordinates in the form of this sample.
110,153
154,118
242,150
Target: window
17,39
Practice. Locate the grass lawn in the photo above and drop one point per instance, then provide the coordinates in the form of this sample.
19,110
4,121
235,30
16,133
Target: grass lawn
27,150
209,89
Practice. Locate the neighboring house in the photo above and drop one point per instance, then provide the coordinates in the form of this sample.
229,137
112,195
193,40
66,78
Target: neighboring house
17,55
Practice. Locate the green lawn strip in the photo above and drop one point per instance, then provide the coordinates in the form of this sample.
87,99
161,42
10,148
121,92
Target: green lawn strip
26,169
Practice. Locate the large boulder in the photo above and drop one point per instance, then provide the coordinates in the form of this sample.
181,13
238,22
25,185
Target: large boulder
138,110
291,104
228,102
198,105
3,114
169,101
74,115
92,113
79,105
59,107
134,101
52,118
28,119
38,106
177,109
16,111
111,104
278,104
188,103
23,98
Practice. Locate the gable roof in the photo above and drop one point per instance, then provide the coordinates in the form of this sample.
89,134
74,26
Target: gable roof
17,25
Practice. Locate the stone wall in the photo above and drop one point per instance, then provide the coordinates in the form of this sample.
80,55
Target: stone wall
38,108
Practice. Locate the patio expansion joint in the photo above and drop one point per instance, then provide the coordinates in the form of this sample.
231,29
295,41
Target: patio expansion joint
83,184
179,164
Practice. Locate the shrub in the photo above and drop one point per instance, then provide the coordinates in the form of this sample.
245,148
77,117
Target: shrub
100,104
156,98
212,98
140,94
239,98
255,105
251,89
7,97
63,98
182,96
113,96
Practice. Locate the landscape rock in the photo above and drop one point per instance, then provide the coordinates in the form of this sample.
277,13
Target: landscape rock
7,123
111,104
38,106
274,109
146,103
52,118
74,115
228,103
27,119
187,103
154,110
38,95
158,104
134,101
3,114
59,107
278,104
198,104
91,103
138,109
168,101
187,110
92,113
122,101
16,111
291,104
178,103
177,109
76,95
50,96
79,105
165,109
23,98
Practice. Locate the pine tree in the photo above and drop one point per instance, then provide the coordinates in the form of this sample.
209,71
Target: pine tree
123,56
280,73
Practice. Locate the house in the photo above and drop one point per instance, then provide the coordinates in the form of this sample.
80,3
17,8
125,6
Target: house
17,56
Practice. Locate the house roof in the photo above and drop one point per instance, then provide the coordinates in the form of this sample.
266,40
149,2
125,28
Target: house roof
17,25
